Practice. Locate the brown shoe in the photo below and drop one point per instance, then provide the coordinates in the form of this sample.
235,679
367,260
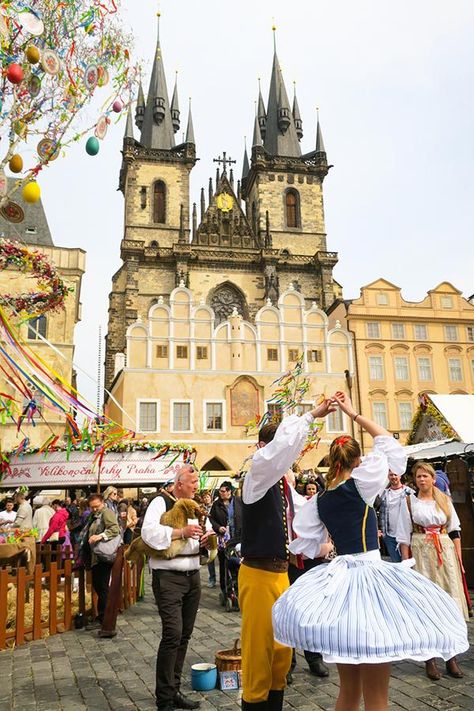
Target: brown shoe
432,671
453,668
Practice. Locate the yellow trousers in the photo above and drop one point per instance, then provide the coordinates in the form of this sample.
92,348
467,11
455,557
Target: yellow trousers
265,663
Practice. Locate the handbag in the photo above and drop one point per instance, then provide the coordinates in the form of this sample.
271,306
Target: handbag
106,551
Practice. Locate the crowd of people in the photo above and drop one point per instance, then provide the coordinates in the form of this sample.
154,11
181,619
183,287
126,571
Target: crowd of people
301,556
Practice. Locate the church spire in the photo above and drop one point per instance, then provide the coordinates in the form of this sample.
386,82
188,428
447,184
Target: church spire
297,115
129,124
157,130
319,138
246,165
257,136
140,108
175,106
190,128
261,113
281,138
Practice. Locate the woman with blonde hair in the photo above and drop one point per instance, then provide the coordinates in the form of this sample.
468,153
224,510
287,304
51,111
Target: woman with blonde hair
429,525
359,611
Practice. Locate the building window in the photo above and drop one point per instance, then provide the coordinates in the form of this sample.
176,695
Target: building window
304,407
148,415
401,368
405,414
315,356
254,217
162,351
472,369
275,411
446,302
335,422
292,208
451,332
382,299
272,354
376,368
293,354
181,416
398,331
379,410
421,332
470,333
455,370
181,352
159,202
201,352
214,417
37,328
373,329
424,369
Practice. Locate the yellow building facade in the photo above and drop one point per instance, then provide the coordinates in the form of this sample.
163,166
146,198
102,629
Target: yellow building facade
403,349
55,328
185,377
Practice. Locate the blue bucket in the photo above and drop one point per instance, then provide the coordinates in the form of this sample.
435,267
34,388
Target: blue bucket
203,677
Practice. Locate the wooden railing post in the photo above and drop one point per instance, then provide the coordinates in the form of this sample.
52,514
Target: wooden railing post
37,592
53,598
3,607
20,605
67,594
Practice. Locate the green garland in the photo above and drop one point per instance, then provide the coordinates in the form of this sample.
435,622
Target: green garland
430,410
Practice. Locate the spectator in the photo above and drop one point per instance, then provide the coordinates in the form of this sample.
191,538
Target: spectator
391,502
442,482
127,521
8,516
206,501
74,522
57,523
219,518
111,499
103,526
310,489
42,517
24,514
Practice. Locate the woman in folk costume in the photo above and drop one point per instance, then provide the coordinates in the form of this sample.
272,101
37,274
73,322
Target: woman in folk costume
429,525
359,611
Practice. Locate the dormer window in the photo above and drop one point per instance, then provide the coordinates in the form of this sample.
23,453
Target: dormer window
159,202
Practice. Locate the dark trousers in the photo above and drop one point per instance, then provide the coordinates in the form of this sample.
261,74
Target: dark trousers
177,598
100,582
221,557
294,573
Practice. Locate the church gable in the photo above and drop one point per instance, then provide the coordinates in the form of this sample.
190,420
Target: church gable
224,223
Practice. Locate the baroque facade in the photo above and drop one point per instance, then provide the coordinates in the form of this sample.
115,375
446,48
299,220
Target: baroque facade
404,349
242,247
52,329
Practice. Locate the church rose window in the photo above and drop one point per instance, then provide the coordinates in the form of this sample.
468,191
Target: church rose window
224,300
159,202
292,208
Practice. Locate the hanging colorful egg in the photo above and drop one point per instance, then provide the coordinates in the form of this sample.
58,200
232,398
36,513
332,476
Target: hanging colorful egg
33,54
34,85
91,77
117,106
48,149
32,23
31,192
15,73
101,127
50,62
16,163
92,146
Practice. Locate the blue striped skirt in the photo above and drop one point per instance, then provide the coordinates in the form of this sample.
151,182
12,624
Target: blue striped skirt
362,610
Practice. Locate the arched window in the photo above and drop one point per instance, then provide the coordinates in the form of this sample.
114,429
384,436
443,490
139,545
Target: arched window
159,202
225,299
37,328
254,217
292,205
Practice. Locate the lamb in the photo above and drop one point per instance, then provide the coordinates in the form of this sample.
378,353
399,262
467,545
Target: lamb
177,517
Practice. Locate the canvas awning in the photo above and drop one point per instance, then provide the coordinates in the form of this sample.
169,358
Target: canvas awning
439,449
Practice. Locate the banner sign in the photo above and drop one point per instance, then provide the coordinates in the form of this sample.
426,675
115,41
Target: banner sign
131,468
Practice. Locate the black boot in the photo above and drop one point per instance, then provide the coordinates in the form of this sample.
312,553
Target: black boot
256,706
275,700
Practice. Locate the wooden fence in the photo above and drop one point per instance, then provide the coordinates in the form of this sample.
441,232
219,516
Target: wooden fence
47,602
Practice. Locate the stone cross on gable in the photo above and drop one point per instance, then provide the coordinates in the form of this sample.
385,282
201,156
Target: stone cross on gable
224,160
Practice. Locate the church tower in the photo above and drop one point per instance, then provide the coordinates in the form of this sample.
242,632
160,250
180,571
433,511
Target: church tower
154,179
283,192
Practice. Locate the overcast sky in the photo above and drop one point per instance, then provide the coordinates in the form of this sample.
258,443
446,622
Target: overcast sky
394,84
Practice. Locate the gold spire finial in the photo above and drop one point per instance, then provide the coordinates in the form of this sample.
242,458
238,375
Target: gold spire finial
274,33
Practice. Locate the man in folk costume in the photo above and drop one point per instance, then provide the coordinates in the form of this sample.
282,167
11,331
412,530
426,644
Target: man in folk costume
263,575
176,587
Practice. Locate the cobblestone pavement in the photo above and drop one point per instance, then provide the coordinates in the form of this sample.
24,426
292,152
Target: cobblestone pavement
76,670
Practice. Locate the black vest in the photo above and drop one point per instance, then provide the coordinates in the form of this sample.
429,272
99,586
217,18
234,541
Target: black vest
264,526
352,524
169,501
